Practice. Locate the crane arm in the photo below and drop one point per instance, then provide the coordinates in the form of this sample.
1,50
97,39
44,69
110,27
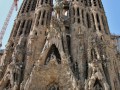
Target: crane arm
6,23
16,4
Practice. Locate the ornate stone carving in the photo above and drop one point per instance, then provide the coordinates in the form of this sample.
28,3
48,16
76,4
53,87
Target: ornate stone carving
96,74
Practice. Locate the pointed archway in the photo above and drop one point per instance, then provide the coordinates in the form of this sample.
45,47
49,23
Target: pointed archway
53,53
98,85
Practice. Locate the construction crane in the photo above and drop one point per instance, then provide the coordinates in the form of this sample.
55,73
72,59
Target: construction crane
14,5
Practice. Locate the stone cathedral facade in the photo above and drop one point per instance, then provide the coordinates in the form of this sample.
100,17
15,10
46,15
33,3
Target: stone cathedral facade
61,46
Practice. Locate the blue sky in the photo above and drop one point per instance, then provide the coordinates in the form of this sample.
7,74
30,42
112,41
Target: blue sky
111,8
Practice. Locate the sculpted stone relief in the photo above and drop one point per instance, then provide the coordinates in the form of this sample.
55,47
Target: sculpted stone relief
96,74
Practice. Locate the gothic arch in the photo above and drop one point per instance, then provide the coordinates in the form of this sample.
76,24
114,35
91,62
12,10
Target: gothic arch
53,86
98,85
53,51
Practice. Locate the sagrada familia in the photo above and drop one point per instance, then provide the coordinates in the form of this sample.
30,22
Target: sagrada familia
61,46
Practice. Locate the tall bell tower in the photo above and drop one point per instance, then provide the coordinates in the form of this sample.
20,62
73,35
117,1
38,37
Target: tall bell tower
61,46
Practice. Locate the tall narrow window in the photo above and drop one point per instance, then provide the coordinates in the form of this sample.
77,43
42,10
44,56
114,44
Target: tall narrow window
23,9
44,13
37,21
21,29
28,7
68,43
93,22
16,29
78,20
88,20
34,5
94,2
48,18
23,24
83,17
98,22
97,17
28,27
78,12
73,11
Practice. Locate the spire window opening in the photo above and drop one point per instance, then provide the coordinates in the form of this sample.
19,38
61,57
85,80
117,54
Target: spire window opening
12,45
98,22
21,29
83,17
78,12
23,24
76,70
38,18
93,22
42,23
28,27
99,27
78,20
23,9
43,17
20,33
88,20
34,5
73,11
16,29
94,2
97,17
44,12
73,20
69,43
48,18
28,7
